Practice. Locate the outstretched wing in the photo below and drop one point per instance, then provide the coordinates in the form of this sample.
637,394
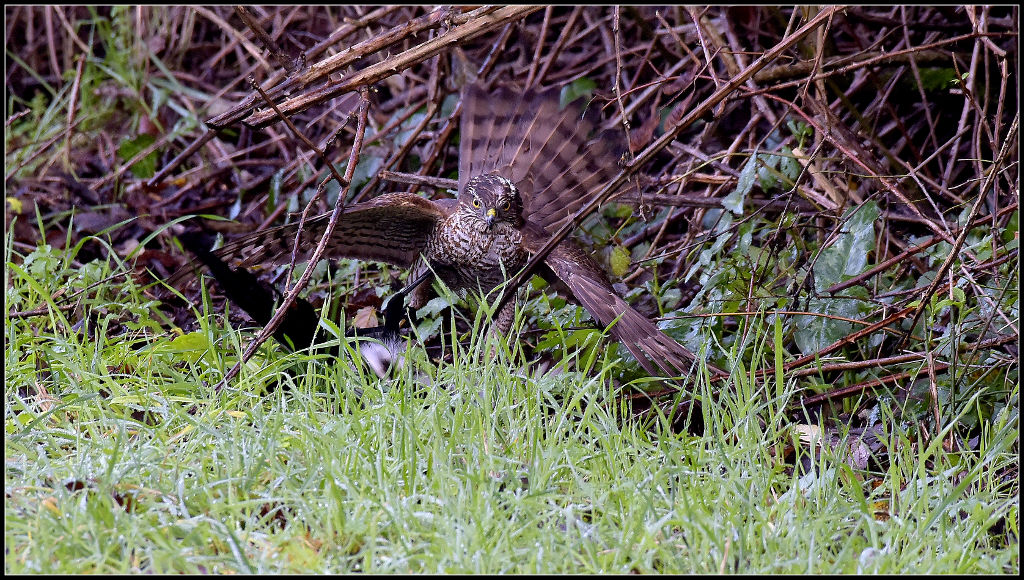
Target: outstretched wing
550,153
652,348
391,228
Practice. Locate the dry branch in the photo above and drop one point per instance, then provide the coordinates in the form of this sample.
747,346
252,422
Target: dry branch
476,23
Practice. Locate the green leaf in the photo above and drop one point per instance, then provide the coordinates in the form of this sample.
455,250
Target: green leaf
1012,227
937,79
586,340
190,347
619,260
581,87
789,166
617,210
848,256
407,128
734,201
433,307
802,131
766,171
366,167
143,168
813,333
42,262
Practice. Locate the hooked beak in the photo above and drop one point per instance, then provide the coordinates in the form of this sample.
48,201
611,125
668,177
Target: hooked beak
491,217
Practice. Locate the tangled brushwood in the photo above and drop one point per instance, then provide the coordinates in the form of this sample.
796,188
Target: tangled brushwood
844,176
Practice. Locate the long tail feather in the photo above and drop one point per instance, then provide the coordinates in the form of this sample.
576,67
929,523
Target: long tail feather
653,349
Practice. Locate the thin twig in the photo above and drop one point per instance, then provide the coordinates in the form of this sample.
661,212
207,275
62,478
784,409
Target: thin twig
415,179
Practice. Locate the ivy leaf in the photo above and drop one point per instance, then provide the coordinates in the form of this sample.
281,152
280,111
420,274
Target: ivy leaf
813,333
734,201
766,171
789,166
848,256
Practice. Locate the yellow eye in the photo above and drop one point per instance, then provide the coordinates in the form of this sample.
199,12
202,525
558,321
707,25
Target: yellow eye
506,206
476,202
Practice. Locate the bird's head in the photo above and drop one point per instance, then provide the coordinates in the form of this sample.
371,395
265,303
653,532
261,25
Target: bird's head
492,200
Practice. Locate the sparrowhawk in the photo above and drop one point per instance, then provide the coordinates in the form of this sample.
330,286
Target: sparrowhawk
526,165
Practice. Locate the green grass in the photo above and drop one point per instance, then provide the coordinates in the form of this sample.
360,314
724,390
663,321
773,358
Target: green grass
120,456
131,462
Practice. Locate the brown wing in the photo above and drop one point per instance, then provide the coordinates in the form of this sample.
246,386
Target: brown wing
545,150
652,348
391,228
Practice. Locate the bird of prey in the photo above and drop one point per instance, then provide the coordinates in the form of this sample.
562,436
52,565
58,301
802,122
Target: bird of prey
526,166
